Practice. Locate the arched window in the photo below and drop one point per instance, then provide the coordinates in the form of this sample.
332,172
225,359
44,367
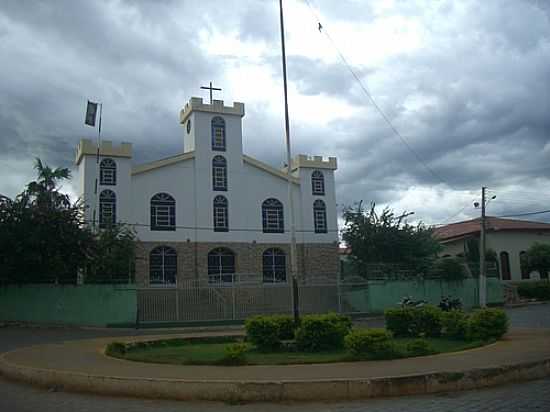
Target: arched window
107,209
221,265
219,173
524,264
272,216
163,212
274,266
107,172
319,216
317,183
221,221
504,266
218,134
163,266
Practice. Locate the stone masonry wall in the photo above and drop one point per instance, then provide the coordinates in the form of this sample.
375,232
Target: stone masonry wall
313,259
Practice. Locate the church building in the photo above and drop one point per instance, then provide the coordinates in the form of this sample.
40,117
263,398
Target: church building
212,213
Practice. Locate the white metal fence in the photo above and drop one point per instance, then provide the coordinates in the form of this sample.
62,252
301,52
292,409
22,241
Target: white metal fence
247,296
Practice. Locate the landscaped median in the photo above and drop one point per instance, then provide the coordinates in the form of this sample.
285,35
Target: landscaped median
328,338
82,365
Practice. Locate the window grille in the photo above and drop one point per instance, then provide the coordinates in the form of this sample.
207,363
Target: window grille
317,183
320,216
107,172
221,221
272,216
218,134
274,266
107,209
221,265
163,266
219,173
163,212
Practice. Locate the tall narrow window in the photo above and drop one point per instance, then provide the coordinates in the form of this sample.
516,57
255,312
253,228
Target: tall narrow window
107,172
218,134
163,266
272,216
219,173
274,266
317,183
221,265
107,209
504,266
221,221
320,216
524,265
163,212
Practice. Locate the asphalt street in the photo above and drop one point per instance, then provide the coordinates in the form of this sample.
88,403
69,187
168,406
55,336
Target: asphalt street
530,396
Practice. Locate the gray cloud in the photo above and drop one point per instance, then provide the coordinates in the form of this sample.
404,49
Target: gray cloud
472,100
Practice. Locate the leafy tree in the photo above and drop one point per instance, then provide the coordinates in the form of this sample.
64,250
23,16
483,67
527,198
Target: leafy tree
112,256
43,236
539,259
386,238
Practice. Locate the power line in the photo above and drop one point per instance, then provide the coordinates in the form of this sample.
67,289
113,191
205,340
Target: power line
526,214
367,93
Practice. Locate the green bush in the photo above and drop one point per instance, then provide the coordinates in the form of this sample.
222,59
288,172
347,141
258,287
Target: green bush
398,320
285,326
263,332
424,321
115,349
454,324
420,347
322,332
376,343
486,324
535,290
235,354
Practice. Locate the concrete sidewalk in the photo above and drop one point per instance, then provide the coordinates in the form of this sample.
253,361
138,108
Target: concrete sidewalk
82,366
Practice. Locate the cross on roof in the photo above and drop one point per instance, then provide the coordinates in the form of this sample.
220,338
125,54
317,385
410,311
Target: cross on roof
210,88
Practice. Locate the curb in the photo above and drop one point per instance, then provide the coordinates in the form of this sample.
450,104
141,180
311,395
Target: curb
276,391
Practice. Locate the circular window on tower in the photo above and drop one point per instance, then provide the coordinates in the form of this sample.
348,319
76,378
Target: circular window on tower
188,126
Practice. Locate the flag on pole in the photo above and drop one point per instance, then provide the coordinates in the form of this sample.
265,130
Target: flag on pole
91,112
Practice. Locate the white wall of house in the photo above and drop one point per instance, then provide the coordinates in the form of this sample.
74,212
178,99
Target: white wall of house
512,242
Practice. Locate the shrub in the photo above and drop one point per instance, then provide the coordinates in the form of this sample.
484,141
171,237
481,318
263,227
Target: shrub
322,332
486,324
454,324
115,349
285,326
535,290
235,354
374,342
398,320
266,332
424,321
263,332
420,347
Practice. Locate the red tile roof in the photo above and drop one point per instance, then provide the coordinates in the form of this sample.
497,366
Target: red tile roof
469,227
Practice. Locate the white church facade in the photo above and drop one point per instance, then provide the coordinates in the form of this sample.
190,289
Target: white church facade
211,212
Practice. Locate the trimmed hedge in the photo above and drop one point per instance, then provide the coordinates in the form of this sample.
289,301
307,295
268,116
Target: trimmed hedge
322,332
535,290
267,332
486,324
424,321
454,324
420,347
375,343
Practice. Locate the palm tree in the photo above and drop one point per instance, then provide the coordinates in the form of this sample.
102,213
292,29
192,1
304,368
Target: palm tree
44,189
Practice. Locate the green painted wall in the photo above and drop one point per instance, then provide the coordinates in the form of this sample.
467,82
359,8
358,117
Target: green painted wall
386,294
92,305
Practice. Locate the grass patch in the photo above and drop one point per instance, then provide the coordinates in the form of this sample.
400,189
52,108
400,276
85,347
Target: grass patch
211,351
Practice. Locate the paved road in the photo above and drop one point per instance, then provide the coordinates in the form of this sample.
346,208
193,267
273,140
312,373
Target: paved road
531,396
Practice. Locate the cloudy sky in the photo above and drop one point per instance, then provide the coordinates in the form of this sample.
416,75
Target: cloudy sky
466,83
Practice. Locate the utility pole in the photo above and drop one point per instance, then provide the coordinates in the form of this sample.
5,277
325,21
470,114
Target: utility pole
293,262
482,247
